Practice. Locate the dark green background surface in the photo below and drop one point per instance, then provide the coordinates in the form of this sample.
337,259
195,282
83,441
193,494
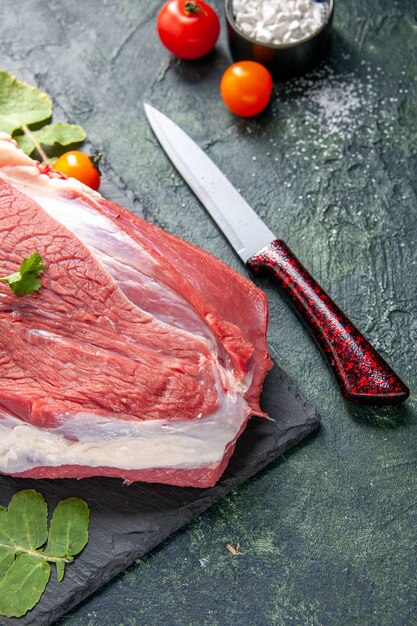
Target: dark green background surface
328,536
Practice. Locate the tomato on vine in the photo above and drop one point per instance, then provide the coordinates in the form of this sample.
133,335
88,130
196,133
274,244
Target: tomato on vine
78,165
189,29
246,88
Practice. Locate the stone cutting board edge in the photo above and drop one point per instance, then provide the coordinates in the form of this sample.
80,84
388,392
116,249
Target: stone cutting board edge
128,521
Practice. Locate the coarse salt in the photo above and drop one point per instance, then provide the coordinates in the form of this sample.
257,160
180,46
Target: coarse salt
279,21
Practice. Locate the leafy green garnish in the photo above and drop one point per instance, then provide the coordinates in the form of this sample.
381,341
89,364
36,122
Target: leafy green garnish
22,106
24,563
67,534
26,279
23,585
58,132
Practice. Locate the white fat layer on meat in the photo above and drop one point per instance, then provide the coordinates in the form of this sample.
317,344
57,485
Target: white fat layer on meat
100,441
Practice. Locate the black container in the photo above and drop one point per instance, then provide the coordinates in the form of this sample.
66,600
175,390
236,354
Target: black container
286,60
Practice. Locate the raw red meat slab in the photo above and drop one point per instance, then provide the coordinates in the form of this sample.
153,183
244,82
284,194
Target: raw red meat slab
142,356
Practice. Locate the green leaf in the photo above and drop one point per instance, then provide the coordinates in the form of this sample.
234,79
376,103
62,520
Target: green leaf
24,525
56,133
34,264
21,104
23,585
60,570
26,279
24,566
68,533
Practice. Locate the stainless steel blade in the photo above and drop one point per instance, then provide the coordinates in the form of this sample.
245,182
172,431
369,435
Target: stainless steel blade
238,221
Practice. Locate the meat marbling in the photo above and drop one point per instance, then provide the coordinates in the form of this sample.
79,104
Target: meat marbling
141,356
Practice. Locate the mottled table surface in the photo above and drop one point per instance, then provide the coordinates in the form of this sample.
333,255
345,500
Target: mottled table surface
327,534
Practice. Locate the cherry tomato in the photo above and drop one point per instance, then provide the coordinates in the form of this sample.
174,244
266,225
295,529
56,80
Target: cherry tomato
80,166
246,88
188,29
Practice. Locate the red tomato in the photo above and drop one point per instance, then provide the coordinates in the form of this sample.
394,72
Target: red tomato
246,88
80,166
188,29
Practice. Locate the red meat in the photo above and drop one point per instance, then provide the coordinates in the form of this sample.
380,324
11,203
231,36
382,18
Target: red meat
141,356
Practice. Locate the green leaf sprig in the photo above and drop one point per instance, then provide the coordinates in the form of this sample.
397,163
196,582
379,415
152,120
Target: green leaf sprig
25,113
24,562
26,280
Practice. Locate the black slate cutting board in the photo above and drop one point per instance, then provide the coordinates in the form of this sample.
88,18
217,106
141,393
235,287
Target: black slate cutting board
128,521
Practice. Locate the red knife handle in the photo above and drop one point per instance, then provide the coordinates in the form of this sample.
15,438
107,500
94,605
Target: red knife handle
361,372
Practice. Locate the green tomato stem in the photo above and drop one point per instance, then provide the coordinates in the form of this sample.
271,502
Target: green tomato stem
192,7
95,160
38,147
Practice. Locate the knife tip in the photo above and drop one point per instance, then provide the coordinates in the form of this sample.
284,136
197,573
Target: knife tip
149,109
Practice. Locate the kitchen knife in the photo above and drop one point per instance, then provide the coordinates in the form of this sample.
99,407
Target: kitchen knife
363,375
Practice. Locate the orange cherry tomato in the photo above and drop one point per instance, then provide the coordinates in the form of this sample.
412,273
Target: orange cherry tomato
78,165
246,88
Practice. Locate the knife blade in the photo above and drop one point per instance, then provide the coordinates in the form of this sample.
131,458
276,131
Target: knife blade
363,375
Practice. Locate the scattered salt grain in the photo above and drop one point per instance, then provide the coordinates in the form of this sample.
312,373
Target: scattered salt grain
279,21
